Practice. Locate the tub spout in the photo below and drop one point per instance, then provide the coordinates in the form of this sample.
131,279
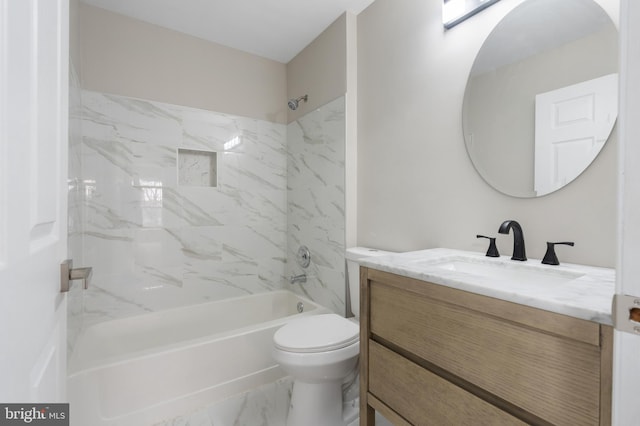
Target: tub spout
302,278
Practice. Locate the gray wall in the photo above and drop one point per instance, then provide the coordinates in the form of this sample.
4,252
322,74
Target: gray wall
319,70
128,57
417,187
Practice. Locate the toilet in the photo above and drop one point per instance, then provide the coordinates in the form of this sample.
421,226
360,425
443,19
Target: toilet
321,352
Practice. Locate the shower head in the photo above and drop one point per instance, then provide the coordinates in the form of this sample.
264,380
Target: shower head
293,103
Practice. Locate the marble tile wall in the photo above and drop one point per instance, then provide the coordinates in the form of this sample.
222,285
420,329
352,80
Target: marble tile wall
156,244
316,202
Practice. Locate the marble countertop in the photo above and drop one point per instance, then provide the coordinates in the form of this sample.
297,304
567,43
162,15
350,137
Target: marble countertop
579,291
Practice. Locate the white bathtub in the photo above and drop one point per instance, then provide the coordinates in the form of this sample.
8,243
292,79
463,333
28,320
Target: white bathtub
141,370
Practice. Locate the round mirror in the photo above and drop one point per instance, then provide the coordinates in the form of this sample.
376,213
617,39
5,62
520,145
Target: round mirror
542,96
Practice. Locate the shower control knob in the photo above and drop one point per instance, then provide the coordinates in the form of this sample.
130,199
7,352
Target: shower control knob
303,257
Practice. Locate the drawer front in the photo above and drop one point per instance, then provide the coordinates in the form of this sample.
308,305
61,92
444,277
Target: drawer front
423,398
553,378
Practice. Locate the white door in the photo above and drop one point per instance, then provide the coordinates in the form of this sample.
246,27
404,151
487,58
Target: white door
33,190
626,374
571,126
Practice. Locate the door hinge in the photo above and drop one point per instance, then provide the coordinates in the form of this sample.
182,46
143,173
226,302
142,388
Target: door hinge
626,313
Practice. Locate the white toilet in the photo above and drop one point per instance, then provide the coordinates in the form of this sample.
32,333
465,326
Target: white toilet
320,352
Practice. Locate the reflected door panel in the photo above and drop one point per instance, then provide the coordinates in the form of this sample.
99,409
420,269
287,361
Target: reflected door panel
571,126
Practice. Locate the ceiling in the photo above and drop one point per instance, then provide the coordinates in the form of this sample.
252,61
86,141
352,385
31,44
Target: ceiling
274,29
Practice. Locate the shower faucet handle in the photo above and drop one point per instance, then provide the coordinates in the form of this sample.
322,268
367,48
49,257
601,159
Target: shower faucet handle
492,251
303,257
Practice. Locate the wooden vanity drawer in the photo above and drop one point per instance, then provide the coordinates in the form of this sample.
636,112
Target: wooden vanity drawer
392,378
554,378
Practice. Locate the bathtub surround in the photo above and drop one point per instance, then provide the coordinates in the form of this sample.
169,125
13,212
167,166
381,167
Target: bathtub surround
316,200
155,243
120,63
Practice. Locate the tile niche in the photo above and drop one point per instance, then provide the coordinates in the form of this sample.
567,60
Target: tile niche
197,168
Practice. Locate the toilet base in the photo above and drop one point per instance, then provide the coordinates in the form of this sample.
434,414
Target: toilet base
316,404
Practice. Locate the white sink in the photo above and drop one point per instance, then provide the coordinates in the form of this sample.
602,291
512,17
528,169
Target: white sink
499,270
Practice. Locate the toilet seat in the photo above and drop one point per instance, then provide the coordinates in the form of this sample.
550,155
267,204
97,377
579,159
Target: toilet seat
317,333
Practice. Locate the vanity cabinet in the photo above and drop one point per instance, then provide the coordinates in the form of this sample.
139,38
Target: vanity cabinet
434,355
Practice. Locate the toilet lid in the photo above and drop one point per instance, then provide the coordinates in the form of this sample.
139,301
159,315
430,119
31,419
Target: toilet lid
317,333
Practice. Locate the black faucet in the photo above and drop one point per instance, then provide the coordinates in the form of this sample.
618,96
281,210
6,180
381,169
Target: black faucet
492,251
518,239
550,257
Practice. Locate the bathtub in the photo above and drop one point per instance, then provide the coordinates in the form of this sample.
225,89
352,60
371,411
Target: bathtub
145,369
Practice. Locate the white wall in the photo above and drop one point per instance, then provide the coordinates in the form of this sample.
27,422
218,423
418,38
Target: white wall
417,187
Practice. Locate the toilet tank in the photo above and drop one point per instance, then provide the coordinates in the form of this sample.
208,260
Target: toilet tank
353,256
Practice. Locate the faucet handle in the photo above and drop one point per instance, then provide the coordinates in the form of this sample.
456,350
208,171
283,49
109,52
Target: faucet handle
550,257
492,251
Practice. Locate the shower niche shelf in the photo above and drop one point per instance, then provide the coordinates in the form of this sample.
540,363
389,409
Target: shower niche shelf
197,168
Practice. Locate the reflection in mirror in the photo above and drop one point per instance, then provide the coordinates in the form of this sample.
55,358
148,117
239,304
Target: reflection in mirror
456,11
541,99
